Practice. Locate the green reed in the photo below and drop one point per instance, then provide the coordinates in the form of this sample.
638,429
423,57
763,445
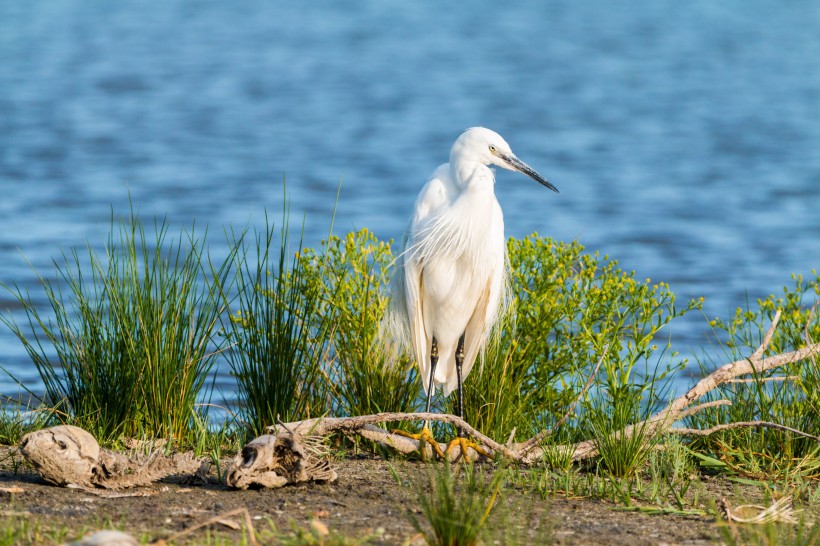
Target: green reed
126,345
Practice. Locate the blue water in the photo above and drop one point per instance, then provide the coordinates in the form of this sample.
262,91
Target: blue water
684,137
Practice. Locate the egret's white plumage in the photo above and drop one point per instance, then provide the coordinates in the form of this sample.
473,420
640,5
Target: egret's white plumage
450,278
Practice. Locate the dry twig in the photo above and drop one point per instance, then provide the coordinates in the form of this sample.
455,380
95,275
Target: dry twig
780,511
218,519
742,424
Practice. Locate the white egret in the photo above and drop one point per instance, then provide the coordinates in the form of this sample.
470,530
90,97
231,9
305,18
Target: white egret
450,277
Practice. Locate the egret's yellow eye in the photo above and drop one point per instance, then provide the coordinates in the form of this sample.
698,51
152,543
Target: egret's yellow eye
492,149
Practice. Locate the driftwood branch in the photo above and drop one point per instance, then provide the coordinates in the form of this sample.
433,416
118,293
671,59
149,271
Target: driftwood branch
780,511
325,425
529,451
742,424
694,409
765,379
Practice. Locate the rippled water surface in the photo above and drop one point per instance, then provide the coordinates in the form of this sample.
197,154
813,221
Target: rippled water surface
684,137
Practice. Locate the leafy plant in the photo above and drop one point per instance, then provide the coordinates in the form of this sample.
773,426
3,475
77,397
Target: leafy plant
362,376
569,309
621,450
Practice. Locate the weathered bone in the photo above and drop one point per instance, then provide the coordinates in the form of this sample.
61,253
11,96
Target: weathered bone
277,460
66,455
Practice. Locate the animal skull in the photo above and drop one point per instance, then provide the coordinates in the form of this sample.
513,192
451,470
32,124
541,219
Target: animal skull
277,460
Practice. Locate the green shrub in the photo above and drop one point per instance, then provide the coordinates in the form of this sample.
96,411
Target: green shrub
569,308
362,377
305,337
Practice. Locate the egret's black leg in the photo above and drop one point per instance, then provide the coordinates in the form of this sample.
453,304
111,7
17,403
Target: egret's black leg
433,363
461,439
425,435
459,364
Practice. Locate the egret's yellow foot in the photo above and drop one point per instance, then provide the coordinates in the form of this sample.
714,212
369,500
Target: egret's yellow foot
424,436
463,444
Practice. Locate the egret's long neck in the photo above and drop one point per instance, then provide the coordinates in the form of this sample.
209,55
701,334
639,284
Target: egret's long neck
471,174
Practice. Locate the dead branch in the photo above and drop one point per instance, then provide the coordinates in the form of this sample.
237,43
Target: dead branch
694,409
767,338
742,424
780,511
323,426
730,371
748,380
529,451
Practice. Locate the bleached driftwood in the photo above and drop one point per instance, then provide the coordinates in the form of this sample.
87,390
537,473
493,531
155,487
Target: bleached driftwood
364,427
69,456
780,511
530,450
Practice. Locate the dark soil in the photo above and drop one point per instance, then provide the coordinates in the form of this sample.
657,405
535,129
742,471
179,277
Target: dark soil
365,501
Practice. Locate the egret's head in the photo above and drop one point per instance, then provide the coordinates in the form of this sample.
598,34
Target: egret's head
488,148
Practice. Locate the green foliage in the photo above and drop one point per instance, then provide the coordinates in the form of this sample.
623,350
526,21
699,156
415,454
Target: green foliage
622,451
662,486
278,334
570,308
15,422
362,378
789,395
127,344
799,320
18,531
456,504
305,337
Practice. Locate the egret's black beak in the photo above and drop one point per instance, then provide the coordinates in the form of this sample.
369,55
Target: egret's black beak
520,166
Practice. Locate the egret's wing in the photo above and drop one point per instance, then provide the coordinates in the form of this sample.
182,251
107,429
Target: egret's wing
491,303
435,194
419,339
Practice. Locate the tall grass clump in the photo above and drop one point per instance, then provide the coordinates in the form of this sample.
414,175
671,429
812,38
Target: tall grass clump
277,334
621,452
455,503
789,395
569,309
126,345
363,377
